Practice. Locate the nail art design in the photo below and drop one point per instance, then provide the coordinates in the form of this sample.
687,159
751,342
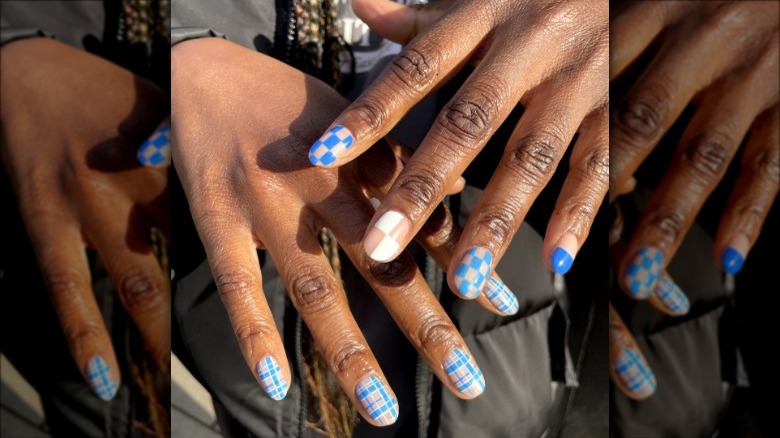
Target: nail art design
464,373
377,401
271,378
384,240
561,260
635,373
732,260
672,297
473,271
501,297
644,271
99,377
331,146
156,151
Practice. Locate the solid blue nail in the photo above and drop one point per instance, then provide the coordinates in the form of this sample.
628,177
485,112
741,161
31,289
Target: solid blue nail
732,260
561,260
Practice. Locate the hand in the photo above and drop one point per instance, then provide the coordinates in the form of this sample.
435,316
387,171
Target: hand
549,55
242,124
71,125
723,59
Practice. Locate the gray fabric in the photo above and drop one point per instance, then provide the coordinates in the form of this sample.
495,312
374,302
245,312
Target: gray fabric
69,21
248,23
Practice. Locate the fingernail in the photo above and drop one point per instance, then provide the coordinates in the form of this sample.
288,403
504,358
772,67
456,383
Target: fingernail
464,373
501,297
734,256
331,146
378,402
383,242
100,379
635,372
562,257
156,151
271,378
473,271
672,297
644,271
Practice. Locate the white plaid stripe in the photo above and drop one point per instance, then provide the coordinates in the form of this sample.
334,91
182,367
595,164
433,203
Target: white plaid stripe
272,378
377,401
464,373
99,377
501,297
473,271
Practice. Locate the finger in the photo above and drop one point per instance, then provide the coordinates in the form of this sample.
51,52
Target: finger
628,367
633,29
60,251
706,148
156,150
425,62
137,276
232,255
755,191
396,22
581,195
440,233
405,154
668,297
399,283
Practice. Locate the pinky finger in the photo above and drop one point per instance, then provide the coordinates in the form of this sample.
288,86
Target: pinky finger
755,191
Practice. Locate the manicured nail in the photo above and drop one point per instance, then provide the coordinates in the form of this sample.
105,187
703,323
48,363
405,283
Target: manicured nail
156,151
734,256
473,271
672,297
562,257
635,372
271,378
380,404
383,242
100,379
501,297
644,271
331,146
464,373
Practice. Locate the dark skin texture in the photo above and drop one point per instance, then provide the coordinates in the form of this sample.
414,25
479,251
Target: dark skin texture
79,185
722,58
249,186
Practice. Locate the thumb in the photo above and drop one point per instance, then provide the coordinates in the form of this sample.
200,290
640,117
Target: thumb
397,22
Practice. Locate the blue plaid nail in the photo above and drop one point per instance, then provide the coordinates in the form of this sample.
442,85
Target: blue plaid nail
99,377
376,399
330,146
271,377
464,373
644,271
473,271
501,297
672,297
635,373
156,151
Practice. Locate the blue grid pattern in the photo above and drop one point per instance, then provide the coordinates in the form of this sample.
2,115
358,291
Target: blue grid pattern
380,405
330,146
156,151
464,373
473,271
501,297
99,377
672,297
644,271
635,373
272,378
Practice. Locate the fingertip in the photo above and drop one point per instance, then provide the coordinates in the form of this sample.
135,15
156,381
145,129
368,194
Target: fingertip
378,401
464,373
156,150
472,272
385,240
331,148
643,272
272,378
561,261
501,297
101,378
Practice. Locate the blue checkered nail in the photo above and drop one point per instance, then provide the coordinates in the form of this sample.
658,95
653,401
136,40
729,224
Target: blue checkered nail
464,373
473,271
272,378
644,271
501,297
635,373
156,151
672,297
732,260
332,145
99,377
377,401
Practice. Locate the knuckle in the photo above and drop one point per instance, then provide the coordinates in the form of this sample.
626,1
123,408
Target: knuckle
595,165
417,67
311,291
535,156
63,282
642,115
439,229
81,334
139,291
472,115
766,165
420,188
370,113
234,286
349,354
249,332
434,330
667,224
581,210
394,273
499,222
707,155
